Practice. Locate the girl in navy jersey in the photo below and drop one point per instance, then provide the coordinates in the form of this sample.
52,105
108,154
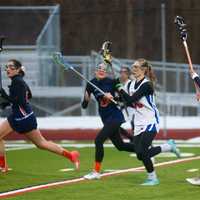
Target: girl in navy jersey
111,117
22,119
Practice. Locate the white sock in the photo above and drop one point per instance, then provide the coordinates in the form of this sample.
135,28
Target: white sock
152,175
165,147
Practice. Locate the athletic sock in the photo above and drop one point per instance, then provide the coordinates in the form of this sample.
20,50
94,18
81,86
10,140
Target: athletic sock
165,147
2,161
97,167
67,154
152,175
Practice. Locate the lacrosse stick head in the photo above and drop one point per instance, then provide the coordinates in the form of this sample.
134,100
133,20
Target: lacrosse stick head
106,46
58,58
181,27
106,51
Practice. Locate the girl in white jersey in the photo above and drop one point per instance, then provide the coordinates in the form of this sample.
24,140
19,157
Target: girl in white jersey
146,119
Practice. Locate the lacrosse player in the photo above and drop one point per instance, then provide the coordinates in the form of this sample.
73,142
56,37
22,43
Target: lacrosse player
22,119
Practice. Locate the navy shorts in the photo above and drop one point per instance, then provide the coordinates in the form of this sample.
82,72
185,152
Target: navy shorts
24,125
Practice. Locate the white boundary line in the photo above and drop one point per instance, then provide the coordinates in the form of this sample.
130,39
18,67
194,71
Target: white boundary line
76,180
82,145
18,148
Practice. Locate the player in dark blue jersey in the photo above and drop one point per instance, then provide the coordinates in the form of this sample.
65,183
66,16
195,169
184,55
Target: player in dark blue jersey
22,119
111,117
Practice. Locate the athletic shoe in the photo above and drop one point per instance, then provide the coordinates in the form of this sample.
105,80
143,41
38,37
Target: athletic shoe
92,175
4,169
193,181
150,182
75,159
174,148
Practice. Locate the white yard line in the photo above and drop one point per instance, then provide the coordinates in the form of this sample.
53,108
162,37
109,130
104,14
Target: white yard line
76,180
82,145
18,148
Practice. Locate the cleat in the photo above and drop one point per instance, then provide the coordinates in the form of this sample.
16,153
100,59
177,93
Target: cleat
174,148
193,181
4,169
93,175
75,159
151,182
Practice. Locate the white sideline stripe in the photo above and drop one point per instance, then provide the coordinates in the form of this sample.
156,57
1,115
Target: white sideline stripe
76,180
18,148
116,170
156,165
168,155
193,181
66,170
192,170
92,145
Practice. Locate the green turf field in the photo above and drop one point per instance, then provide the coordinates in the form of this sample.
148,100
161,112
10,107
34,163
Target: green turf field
33,167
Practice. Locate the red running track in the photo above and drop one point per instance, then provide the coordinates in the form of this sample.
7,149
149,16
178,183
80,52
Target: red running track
90,134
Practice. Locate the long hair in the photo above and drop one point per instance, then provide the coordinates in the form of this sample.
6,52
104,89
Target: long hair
148,71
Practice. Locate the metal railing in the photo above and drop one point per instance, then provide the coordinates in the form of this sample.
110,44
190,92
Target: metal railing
57,96
178,97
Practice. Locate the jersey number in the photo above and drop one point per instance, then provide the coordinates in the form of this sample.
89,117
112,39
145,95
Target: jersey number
104,102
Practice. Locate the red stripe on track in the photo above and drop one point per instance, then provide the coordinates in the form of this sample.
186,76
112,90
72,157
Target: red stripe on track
90,134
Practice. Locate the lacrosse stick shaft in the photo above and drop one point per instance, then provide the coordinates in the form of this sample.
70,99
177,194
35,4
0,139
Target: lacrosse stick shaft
58,59
181,26
106,53
112,69
89,82
190,63
188,55
114,76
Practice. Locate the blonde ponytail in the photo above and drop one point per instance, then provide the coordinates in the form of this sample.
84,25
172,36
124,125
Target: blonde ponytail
149,71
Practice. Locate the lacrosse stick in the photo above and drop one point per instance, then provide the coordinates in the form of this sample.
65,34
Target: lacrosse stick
59,60
181,27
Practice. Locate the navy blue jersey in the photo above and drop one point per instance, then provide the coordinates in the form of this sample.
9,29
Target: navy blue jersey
108,111
19,94
22,118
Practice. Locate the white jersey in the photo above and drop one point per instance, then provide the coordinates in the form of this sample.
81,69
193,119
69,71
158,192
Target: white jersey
130,110
146,118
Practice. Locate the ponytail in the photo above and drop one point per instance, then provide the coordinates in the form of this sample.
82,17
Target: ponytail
149,71
150,74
